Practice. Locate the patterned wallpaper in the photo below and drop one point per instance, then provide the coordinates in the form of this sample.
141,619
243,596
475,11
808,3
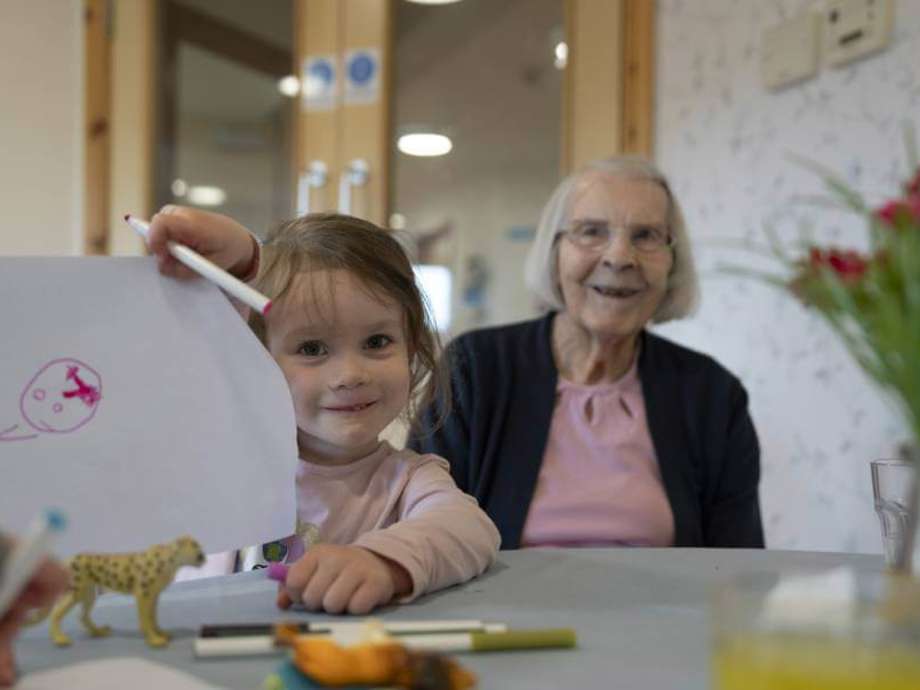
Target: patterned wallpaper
726,141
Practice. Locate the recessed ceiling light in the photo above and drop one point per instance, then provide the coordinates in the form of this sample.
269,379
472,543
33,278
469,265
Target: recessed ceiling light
433,2
424,144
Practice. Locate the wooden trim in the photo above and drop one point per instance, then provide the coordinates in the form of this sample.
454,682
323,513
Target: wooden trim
594,90
133,114
97,121
365,127
569,9
318,131
639,77
228,41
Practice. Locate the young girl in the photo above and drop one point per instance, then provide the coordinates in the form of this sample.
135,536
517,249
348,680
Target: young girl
350,332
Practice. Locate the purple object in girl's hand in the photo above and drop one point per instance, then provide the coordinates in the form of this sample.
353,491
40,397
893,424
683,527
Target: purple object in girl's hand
277,571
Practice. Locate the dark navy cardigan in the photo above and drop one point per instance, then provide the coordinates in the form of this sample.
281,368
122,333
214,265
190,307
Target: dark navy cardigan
504,393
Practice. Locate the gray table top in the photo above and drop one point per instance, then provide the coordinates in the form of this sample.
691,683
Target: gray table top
641,615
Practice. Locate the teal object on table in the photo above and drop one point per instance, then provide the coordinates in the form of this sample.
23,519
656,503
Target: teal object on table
288,677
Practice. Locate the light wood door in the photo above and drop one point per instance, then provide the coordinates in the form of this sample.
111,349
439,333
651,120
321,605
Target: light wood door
97,49
343,51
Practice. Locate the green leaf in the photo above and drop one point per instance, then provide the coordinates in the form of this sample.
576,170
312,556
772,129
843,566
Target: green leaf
910,145
835,184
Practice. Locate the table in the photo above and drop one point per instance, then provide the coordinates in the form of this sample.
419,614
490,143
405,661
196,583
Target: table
642,616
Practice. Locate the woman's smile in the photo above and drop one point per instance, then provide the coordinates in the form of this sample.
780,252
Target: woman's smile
616,292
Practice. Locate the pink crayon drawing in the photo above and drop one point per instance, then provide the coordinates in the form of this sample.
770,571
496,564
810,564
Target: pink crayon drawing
62,397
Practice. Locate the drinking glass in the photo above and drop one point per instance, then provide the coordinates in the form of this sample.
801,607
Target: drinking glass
892,487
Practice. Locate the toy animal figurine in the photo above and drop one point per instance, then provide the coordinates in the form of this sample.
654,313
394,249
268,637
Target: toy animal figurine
144,574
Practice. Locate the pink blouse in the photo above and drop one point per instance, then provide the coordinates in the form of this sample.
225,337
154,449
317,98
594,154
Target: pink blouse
599,484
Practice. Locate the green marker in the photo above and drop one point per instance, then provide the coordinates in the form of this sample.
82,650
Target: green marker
541,638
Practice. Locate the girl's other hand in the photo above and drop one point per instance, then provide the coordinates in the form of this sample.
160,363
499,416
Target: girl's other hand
216,237
340,579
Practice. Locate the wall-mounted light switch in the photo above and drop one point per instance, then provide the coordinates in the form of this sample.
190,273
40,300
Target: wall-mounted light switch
854,28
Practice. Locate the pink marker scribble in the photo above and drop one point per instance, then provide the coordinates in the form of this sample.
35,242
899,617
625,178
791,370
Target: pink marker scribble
49,403
88,394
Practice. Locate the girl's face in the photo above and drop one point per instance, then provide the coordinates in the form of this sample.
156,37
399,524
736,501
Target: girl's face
344,354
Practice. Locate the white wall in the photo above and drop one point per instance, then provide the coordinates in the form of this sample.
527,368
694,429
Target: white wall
724,140
41,126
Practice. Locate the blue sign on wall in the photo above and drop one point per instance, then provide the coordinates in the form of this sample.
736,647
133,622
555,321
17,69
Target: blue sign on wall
361,68
318,82
362,76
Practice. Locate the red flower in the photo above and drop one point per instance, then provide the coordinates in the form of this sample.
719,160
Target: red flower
900,212
850,266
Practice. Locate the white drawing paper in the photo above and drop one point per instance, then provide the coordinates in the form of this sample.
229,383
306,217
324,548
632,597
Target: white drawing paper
141,406
113,674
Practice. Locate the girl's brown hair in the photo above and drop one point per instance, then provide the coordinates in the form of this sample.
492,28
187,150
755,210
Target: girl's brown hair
329,241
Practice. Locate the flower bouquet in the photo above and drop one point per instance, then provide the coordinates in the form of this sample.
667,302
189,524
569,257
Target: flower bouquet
871,299
844,629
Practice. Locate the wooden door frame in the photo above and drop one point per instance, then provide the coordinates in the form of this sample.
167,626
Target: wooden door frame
97,104
609,84
344,132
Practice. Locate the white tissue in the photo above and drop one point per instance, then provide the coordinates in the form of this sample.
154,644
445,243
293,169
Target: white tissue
825,601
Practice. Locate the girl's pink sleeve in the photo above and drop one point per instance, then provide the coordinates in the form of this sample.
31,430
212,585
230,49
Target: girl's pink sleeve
442,537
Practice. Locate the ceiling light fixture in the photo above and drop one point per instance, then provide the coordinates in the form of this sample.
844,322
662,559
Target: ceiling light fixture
179,187
205,195
424,144
289,85
561,55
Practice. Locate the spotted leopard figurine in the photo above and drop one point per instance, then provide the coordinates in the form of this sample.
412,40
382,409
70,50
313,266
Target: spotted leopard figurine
144,574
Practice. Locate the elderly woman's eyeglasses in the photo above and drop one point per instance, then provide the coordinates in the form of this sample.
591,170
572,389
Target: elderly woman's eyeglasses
597,235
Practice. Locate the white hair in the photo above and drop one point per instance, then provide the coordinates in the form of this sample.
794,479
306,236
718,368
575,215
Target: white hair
540,269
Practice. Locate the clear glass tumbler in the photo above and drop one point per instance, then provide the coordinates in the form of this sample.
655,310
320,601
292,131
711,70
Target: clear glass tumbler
892,488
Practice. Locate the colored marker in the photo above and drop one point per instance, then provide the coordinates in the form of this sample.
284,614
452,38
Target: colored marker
277,571
553,638
545,638
27,555
195,261
319,627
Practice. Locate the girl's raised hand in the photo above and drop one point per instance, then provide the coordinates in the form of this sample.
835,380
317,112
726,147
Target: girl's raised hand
216,237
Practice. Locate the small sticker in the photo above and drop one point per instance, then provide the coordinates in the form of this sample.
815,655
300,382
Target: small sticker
362,76
318,82
520,233
274,551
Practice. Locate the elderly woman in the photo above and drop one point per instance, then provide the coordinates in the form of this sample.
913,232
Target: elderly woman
581,428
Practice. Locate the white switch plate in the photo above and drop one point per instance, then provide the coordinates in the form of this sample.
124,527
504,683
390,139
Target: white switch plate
854,28
789,51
